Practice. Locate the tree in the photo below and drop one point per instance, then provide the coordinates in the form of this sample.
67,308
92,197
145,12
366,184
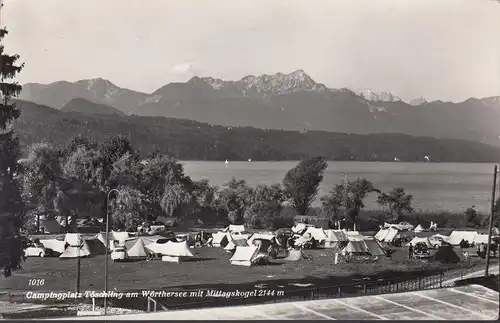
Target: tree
11,204
177,195
235,197
345,201
127,209
398,202
265,210
301,183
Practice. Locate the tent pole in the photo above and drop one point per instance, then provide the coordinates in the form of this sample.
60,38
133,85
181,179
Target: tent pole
490,228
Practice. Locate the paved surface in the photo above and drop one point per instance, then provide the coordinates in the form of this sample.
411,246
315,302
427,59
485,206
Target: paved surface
472,302
451,282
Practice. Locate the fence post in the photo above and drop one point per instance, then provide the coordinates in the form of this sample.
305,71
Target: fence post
365,288
441,280
340,292
389,285
419,283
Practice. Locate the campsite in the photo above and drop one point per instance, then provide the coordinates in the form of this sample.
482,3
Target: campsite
184,266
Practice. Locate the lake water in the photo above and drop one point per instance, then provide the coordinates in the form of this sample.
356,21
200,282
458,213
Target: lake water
434,186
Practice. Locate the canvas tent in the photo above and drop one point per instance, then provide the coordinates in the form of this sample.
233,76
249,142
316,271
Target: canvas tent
356,248
54,244
387,235
112,237
171,251
425,241
317,233
374,247
457,236
219,239
299,228
295,255
380,235
136,248
247,256
302,240
481,238
334,238
446,254
95,246
419,228
77,246
235,228
52,226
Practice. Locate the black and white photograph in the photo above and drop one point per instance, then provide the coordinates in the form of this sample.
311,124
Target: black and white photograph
249,159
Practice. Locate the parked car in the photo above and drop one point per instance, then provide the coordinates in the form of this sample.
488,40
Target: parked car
405,226
119,253
35,250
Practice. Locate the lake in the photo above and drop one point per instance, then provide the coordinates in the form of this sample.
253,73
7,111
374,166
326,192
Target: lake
434,186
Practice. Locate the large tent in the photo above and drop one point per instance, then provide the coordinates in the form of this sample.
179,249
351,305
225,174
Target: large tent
54,244
481,238
171,251
334,238
220,239
113,236
387,235
374,247
247,256
457,236
425,241
419,228
446,254
77,246
356,248
299,228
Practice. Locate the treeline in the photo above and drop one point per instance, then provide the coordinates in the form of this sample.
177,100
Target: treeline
190,140
73,181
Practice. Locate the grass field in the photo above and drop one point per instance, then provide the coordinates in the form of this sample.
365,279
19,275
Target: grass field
210,267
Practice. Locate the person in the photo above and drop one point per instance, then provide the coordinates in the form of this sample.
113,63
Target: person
410,251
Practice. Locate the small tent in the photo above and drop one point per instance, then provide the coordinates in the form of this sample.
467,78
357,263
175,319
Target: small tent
95,246
263,236
380,235
317,233
247,256
356,248
295,255
457,236
219,239
112,237
236,243
54,244
302,240
425,241
374,247
235,228
335,238
299,228
446,254
77,246
419,228
136,248
481,238
391,234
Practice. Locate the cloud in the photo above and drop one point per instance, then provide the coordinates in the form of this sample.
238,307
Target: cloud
186,69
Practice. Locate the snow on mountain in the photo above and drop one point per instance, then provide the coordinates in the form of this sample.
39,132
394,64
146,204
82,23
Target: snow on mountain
369,95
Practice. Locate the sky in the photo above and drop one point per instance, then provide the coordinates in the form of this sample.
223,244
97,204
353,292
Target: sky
441,49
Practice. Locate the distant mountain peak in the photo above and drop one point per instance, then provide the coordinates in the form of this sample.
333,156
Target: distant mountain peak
372,96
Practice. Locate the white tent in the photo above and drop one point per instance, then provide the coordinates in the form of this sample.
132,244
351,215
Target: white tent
392,233
246,256
299,227
457,236
219,239
235,228
356,248
171,251
374,247
306,237
481,238
135,248
419,228
334,237
77,246
263,236
354,236
495,231
112,237
380,235
54,244
416,240
317,233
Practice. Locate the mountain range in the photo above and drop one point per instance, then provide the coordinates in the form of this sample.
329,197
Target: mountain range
291,101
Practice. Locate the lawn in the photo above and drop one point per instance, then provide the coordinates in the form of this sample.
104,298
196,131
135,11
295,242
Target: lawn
211,267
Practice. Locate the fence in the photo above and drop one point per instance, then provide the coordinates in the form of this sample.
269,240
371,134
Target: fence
384,286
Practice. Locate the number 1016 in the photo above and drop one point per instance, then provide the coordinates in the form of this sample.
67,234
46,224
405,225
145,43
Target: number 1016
36,282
